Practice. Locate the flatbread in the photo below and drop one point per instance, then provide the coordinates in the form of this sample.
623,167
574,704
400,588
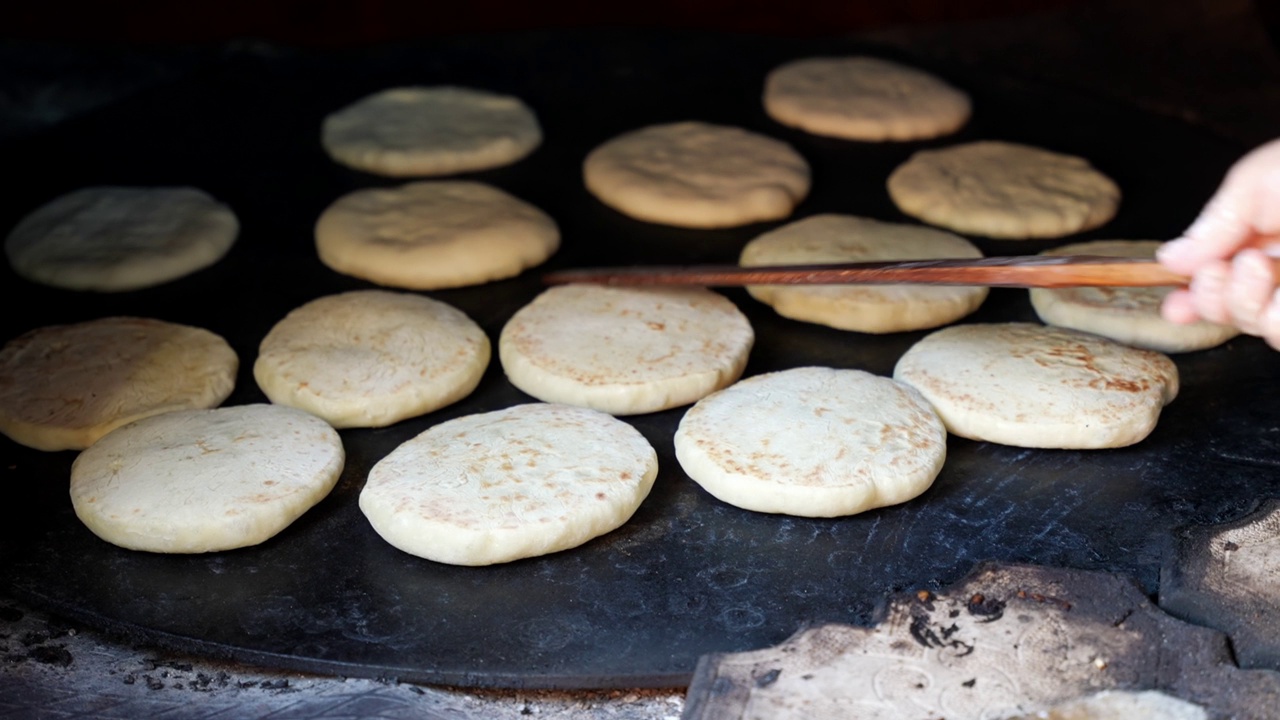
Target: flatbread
625,350
863,98
812,441
111,239
1004,190
199,481
1029,385
696,174
515,483
424,131
433,235
1130,315
370,358
64,386
865,308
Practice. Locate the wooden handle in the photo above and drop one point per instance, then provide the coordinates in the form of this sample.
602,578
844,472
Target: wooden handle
1017,271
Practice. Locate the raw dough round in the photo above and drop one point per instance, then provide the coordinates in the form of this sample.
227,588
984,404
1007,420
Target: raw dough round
625,350
1130,315
515,483
200,481
1029,385
822,239
433,235
112,239
370,358
863,98
814,442
64,386
421,131
1004,190
698,175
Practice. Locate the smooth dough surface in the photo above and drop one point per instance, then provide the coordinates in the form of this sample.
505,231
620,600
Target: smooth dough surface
434,234
625,350
863,98
1004,190
200,481
64,386
423,131
1130,315
812,441
1029,385
370,358
112,239
515,483
696,174
822,239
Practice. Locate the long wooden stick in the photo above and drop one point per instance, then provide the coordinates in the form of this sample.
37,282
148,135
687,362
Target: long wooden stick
1012,271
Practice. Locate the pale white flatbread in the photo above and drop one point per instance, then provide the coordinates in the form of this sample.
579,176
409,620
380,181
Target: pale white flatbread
699,175
1030,385
1130,315
812,441
1004,190
863,98
198,481
421,131
64,386
111,239
433,235
370,358
515,483
1121,705
822,239
625,350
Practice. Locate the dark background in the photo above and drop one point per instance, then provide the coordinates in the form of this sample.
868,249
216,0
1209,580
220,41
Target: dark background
340,23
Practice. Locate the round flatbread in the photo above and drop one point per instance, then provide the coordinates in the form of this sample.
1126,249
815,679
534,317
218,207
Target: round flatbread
515,483
1004,190
698,175
111,239
64,386
625,350
434,235
1130,315
1029,385
813,441
822,239
200,481
863,98
370,358
422,131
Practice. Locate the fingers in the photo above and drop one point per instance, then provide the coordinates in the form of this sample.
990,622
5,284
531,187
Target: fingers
1242,292
1243,208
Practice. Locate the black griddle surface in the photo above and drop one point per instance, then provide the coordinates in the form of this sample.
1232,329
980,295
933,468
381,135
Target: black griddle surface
688,575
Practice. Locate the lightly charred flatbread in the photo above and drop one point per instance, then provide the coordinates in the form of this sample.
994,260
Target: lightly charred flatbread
830,238
698,175
199,481
813,442
427,131
625,350
64,386
516,483
370,358
1029,385
1130,315
863,98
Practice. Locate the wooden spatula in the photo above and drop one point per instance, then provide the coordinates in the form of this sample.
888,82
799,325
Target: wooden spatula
1012,271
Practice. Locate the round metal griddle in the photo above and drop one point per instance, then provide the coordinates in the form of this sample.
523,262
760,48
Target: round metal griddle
688,575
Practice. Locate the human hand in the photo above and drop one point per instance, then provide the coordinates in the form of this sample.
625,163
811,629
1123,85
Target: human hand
1227,252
